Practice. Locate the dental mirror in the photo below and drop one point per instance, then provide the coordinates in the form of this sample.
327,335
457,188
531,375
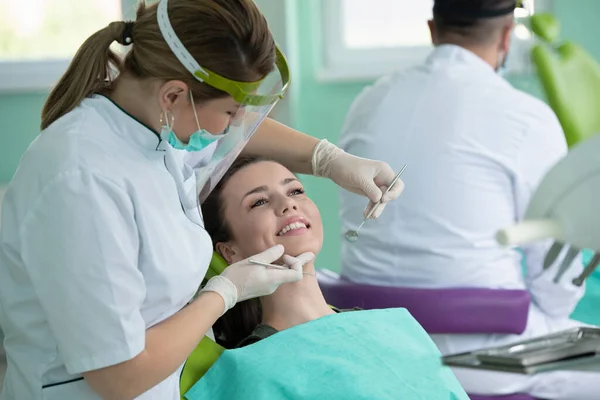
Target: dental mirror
352,235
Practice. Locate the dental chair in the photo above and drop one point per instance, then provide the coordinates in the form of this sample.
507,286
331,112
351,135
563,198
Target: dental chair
455,311
207,351
570,78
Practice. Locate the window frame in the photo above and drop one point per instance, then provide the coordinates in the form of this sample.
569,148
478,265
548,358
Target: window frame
341,64
40,75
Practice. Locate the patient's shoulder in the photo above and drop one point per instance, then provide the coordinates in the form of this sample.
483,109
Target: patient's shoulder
338,310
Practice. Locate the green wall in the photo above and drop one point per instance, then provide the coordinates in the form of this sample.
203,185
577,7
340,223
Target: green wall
319,108
20,114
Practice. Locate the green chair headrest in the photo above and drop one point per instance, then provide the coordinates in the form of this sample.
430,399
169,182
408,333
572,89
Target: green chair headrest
202,358
546,27
207,351
216,267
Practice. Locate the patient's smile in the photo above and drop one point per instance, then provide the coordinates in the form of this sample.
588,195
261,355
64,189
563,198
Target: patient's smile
294,227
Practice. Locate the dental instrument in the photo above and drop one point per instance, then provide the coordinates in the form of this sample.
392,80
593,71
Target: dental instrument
566,263
351,235
264,264
588,270
552,254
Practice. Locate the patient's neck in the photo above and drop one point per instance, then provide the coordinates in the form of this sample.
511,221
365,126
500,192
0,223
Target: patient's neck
295,303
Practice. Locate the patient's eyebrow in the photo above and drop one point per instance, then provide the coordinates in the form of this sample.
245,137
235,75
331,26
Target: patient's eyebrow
287,181
260,189
257,189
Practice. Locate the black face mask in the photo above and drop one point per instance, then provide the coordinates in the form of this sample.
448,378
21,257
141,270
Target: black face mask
501,67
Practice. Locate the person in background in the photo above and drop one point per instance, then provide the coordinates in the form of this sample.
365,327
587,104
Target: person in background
476,149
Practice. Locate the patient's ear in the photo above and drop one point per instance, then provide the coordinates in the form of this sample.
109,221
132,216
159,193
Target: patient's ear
227,251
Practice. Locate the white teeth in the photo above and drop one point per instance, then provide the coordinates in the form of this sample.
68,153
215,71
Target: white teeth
294,225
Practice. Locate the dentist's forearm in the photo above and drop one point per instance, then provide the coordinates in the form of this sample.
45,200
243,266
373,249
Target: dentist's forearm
168,345
283,144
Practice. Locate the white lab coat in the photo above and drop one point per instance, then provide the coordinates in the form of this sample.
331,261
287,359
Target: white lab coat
475,149
98,242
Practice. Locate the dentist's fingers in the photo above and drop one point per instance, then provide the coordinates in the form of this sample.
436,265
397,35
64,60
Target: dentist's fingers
270,255
297,263
294,273
394,192
378,207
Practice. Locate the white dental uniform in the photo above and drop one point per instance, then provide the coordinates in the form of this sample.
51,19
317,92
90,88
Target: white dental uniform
475,149
99,241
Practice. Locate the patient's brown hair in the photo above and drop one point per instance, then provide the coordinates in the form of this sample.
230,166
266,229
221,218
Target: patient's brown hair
239,322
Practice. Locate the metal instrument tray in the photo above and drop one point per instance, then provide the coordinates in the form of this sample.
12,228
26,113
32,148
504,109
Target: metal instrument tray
534,355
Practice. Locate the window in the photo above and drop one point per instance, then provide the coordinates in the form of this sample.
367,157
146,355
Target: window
39,37
365,26
366,39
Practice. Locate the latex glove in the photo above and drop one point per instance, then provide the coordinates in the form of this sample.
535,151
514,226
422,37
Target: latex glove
355,174
242,280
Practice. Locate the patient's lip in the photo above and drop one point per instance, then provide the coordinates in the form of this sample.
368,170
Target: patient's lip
292,220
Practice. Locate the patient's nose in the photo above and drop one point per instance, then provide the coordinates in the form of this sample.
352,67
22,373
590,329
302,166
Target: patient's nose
287,205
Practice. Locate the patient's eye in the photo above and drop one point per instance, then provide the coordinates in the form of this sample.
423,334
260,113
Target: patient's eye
258,203
295,192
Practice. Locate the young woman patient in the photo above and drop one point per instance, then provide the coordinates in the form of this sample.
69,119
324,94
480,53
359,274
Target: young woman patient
292,344
257,205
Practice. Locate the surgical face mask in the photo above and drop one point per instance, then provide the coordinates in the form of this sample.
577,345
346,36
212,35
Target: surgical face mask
198,141
501,67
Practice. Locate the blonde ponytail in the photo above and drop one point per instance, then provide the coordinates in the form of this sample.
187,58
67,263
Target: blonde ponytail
89,71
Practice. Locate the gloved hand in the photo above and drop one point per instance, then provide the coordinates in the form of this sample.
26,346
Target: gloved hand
355,174
242,280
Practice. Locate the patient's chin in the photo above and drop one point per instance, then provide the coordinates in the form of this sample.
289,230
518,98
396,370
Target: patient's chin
296,245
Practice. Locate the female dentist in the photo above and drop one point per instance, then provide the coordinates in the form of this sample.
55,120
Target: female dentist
102,247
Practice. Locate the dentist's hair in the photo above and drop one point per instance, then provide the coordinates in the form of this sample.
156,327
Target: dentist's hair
464,30
228,37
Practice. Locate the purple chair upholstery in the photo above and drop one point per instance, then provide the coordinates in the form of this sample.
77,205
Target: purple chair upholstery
518,396
463,310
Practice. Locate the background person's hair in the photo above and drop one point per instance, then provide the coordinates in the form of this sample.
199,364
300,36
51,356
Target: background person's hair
239,322
467,30
228,37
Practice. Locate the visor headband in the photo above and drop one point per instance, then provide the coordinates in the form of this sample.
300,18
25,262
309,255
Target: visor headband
167,31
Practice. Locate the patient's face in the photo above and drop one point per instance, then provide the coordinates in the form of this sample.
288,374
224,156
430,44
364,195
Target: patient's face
265,205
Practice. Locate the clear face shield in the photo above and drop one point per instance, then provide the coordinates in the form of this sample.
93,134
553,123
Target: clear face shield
256,100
